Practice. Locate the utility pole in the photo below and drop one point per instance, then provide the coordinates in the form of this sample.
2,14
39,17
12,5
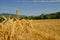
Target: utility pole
17,12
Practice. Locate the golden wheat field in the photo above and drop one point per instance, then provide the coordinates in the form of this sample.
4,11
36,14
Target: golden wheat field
11,29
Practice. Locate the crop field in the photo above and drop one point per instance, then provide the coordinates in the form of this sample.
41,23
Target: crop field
15,29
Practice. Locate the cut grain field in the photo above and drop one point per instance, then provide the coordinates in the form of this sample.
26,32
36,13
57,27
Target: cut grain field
30,29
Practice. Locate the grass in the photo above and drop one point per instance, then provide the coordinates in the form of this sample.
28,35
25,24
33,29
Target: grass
11,29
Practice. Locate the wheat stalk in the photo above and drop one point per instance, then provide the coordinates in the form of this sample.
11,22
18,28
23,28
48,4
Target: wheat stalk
15,29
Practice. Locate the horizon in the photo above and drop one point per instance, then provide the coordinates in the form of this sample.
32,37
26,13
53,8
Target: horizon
31,15
29,7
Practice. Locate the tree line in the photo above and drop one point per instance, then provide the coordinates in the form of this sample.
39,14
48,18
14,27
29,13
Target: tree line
44,16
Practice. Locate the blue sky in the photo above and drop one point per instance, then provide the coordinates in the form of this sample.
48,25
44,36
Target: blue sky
29,7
